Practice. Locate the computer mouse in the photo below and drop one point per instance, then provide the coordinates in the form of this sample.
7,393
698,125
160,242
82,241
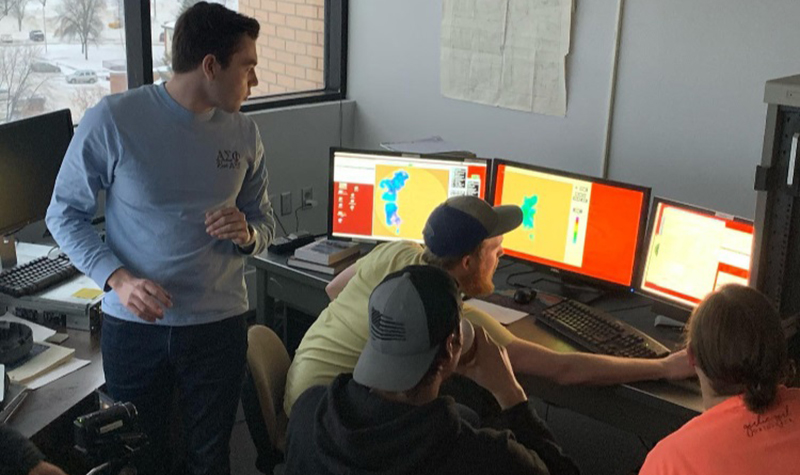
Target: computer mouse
524,296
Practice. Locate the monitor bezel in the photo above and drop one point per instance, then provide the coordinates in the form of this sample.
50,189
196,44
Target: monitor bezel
12,228
389,153
651,223
591,280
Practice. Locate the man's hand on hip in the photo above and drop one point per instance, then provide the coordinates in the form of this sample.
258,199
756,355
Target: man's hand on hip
143,297
229,223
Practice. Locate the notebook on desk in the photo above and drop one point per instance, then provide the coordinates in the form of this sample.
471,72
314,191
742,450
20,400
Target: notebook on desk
504,315
502,307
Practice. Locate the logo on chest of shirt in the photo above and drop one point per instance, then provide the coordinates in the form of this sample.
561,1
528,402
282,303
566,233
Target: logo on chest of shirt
228,159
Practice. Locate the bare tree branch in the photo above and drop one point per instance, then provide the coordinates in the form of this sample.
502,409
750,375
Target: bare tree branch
15,75
18,11
85,98
81,18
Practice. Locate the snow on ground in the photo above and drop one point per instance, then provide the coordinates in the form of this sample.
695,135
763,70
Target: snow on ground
66,53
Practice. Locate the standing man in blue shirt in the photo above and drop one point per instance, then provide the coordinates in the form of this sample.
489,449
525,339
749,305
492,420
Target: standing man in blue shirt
186,200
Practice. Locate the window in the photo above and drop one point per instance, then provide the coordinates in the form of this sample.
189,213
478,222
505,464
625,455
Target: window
70,53
59,54
300,48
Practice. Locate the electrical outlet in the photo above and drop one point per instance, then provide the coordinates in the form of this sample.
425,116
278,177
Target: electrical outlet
306,194
286,203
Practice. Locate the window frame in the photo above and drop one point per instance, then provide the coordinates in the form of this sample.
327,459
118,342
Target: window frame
139,57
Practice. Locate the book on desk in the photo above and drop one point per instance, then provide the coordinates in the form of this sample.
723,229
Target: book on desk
325,256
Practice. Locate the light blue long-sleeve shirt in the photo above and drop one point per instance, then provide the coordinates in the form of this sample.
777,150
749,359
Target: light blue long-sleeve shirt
163,167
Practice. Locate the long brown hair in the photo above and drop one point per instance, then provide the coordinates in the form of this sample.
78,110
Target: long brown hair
736,337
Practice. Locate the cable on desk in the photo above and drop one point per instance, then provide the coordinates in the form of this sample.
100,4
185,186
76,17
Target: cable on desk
506,264
297,218
278,220
50,252
515,274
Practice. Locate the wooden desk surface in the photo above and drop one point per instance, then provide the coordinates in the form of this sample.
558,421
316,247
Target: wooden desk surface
47,403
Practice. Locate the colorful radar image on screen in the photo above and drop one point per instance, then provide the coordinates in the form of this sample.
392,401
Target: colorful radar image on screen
389,197
573,223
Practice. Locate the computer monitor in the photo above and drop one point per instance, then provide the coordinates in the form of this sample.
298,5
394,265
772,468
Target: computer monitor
692,251
31,152
385,196
579,225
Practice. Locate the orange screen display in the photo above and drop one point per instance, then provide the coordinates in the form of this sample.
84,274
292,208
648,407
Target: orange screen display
573,223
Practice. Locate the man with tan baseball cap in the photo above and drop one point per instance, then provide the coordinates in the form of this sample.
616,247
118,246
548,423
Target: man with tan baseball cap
463,236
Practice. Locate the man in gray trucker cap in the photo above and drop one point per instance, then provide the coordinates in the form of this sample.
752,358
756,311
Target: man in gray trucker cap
463,236
388,417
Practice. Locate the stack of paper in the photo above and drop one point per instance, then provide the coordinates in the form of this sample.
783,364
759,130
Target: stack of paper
46,363
43,362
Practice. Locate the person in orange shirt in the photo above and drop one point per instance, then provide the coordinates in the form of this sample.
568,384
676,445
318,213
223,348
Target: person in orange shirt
751,422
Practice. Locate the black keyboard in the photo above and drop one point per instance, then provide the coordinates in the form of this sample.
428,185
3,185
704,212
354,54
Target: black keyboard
36,275
597,331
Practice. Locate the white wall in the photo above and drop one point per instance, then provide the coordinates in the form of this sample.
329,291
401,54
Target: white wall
689,114
297,142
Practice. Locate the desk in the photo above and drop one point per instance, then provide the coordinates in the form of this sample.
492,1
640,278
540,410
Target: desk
301,289
649,409
50,402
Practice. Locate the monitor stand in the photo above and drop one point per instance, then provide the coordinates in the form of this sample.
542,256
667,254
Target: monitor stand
8,252
567,287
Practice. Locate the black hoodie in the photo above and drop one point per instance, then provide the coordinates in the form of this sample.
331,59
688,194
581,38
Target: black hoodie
17,454
346,429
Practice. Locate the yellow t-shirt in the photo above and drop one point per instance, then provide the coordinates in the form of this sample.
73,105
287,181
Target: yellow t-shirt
334,342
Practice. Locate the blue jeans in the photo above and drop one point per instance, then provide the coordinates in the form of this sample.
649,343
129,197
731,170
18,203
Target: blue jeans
145,364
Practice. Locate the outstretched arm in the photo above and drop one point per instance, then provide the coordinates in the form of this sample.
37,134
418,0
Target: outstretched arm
586,368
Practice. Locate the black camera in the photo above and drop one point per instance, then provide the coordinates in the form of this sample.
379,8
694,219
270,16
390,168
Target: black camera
110,438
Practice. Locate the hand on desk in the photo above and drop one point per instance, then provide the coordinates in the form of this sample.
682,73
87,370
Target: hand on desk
491,369
44,468
677,366
143,297
229,223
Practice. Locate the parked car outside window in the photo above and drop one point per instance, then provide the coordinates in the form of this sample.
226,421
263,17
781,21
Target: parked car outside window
44,67
82,76
36,35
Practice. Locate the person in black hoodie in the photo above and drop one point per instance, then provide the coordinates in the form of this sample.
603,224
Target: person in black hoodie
388,418
18,455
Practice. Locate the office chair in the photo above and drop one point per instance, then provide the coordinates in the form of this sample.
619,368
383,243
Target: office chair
262,396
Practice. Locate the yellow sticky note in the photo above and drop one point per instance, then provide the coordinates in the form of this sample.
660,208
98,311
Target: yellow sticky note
88,294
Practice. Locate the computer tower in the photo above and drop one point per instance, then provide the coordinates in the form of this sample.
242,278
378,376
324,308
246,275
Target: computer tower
776,250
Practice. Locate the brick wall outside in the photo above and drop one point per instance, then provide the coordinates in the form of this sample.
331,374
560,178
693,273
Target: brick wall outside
290,46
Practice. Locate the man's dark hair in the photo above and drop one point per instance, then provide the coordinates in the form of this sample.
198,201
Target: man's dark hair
209,28
737,339
449,262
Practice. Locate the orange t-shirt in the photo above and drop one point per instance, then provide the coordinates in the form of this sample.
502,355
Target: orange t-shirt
730,440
